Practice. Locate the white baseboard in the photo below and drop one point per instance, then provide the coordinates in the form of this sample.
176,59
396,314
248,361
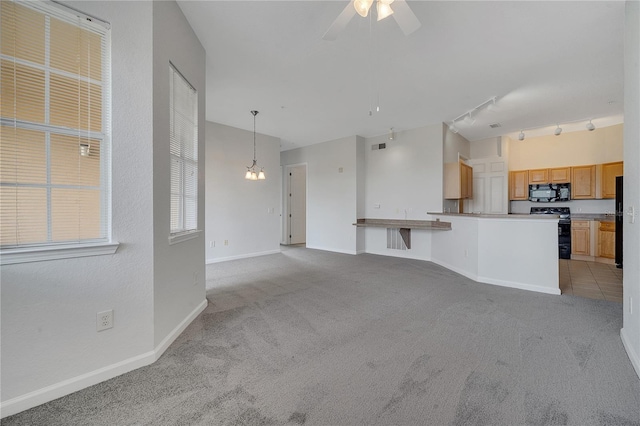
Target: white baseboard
334,250
493,281
65,387
241,256
521,286
167,341
634,357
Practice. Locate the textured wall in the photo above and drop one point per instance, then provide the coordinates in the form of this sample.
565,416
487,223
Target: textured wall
331,192
49,308
179,274
245,213
631,329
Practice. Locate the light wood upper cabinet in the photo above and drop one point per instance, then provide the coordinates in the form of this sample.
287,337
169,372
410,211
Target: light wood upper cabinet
466,181
560,175
581,237
539,176
556,175
583,182
519,185
608,178
458,181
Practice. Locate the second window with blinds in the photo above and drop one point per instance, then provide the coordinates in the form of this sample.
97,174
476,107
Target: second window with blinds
183,143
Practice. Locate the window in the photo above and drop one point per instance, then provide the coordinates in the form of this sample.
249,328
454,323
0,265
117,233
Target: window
54,127
183,144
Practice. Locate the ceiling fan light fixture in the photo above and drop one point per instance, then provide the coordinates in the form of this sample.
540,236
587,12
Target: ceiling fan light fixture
362,7
558,130
590,126
383,9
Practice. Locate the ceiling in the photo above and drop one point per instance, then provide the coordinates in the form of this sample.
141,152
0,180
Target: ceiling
547,63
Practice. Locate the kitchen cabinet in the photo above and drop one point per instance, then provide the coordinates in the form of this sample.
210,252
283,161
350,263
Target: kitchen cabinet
583,182
560,175
556,175
538,176
608,178
581,237
519,185
458,181
607,240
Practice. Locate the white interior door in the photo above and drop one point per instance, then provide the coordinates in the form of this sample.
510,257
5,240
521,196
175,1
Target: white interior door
297,206
490,186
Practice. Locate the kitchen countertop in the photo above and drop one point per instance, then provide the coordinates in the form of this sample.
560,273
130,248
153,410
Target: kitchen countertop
600,217
399,223
499,216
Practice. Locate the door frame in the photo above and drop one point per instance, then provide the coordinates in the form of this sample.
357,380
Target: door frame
285,200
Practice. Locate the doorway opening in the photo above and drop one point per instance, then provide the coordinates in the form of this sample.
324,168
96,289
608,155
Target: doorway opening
295,218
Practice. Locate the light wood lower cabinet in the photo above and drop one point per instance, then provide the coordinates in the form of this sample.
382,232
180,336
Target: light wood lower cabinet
581,237
607,240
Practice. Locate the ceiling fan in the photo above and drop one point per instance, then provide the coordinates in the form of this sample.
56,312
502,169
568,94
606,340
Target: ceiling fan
401,12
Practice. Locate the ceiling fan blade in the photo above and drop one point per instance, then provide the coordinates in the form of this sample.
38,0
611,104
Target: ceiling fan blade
341,21
404,16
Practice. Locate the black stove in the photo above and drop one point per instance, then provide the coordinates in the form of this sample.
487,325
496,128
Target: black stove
564,227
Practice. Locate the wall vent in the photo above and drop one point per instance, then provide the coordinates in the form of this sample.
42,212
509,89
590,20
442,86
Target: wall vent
494,125
378,146
394,239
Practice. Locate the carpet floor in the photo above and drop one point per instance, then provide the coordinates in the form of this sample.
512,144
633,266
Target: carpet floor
319,338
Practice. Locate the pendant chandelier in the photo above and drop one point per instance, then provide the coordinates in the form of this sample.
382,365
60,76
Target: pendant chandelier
251,170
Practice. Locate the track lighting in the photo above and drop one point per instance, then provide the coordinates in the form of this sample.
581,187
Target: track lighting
489,104
558,130
590,126
521,136
468,119
391,134
492,105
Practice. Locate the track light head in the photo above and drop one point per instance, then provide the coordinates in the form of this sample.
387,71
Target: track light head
521,136
469,120
558,130
590,126
453,127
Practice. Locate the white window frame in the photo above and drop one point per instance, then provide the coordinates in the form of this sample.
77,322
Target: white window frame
183,231
91,247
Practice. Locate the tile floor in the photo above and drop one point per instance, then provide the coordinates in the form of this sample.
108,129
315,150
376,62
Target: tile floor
591,279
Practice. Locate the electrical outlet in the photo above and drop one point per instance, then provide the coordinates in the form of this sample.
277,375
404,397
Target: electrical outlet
104,320
226,242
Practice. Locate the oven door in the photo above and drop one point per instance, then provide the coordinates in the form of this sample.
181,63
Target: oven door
564,239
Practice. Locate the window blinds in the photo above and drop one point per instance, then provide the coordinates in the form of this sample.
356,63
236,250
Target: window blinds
54,139
183,145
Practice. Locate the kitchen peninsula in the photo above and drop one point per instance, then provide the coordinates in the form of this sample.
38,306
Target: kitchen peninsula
518,251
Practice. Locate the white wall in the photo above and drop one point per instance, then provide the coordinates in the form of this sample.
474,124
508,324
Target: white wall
490,147
405,180
331,192
245,213
49,308
603,145
454,146
50,346
178,269
631,238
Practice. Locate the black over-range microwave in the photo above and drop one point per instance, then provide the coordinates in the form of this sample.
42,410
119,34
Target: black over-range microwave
550,192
